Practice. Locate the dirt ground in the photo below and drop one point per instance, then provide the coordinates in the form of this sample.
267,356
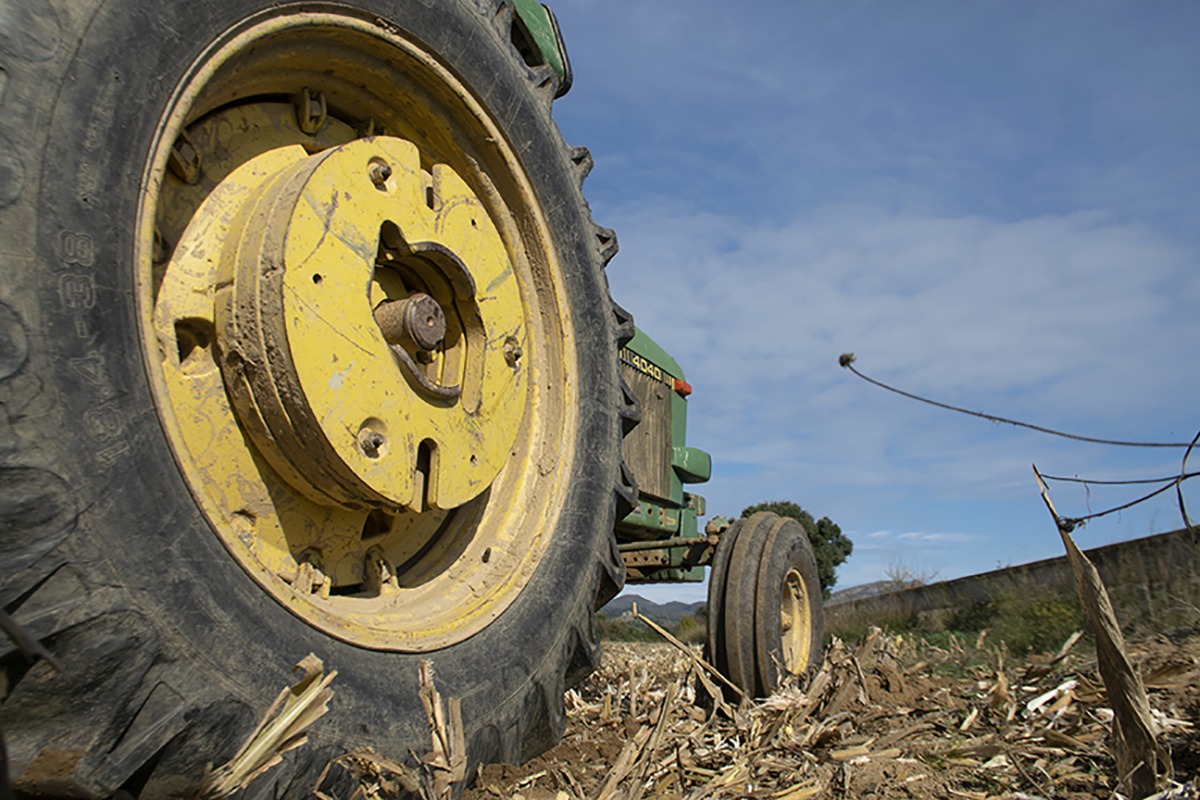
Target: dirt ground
887,717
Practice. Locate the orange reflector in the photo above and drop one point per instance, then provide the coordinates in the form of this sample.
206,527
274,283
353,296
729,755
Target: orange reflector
683,387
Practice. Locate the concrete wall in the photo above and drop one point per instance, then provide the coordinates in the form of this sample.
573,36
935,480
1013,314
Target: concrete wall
1148,573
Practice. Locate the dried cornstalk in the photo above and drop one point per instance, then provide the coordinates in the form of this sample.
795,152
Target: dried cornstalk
302,705
699,662
30,648
647,755
379,777
449,756
802,792
999,698
1136,748
625,763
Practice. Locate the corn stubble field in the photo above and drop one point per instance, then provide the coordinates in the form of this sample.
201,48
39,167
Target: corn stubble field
891,715
1002,698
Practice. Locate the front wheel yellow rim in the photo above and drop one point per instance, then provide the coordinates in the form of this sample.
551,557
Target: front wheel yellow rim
796,623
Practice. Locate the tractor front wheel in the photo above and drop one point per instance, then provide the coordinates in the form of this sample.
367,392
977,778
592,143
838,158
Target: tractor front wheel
765,609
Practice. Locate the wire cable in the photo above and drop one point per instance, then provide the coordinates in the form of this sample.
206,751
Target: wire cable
847,359
1171,478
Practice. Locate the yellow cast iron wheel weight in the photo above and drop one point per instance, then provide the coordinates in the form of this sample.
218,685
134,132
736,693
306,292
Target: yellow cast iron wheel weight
338,386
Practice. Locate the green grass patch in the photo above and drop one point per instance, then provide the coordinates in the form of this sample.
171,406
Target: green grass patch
1026,623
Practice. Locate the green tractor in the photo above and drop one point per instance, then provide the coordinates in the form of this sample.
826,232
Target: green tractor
765,613
306,346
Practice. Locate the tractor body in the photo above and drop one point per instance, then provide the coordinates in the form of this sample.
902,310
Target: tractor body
660,540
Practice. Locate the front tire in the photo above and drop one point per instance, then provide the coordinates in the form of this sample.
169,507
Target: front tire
119,553
769,617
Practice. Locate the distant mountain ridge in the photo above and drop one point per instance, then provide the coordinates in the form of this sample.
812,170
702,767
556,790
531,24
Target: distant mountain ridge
667,614
861,591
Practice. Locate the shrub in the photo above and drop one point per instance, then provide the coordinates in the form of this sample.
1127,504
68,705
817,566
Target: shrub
616,630
1031,621
692,629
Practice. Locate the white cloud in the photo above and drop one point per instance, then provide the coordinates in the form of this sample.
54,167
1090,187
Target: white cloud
1073,321
934,538
968,306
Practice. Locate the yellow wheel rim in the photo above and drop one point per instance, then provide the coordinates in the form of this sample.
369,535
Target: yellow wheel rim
352,314
796,623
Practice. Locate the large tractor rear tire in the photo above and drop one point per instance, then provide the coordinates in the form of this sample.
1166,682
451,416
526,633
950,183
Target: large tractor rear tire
766,616
221,451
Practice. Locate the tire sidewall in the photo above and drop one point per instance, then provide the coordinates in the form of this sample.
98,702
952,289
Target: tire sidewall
742,606
716,597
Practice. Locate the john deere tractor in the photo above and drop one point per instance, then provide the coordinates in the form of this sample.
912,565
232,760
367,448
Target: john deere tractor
765,610
306,346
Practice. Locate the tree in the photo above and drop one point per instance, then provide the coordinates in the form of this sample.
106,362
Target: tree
830,546
903,577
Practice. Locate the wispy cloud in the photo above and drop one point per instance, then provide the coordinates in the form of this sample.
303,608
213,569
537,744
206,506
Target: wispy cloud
934,538
1069,321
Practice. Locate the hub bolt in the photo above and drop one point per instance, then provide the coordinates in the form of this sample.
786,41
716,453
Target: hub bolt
512,350
417,320
379,173
369,442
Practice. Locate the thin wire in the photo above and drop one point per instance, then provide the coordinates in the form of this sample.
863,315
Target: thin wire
1171,478
847,358
1179,486
1073,521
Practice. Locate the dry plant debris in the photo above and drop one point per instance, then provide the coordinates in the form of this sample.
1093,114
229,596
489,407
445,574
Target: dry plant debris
1140,759
299,707
887,717
439,773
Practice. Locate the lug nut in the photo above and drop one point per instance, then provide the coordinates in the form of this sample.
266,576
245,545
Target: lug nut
311,110
369,442
184,159
512,350
161,252
379,173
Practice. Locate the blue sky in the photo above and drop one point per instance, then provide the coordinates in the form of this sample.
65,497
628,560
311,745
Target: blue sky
994,204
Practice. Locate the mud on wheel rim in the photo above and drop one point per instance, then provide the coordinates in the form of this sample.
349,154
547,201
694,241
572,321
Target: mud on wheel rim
317,181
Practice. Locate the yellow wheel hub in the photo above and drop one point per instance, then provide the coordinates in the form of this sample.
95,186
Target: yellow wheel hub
315,252
353,317
796,623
